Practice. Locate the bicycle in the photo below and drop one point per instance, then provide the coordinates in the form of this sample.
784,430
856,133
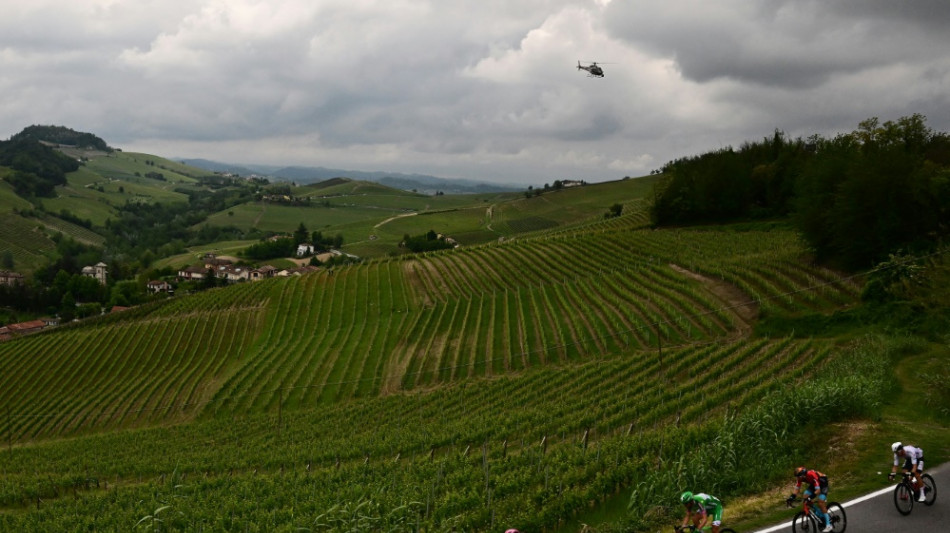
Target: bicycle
693,529
906,493
808,521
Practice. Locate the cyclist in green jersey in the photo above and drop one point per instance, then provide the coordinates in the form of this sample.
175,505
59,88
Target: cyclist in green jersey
699,507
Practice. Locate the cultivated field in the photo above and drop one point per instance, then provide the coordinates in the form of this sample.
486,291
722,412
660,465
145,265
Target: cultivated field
522,381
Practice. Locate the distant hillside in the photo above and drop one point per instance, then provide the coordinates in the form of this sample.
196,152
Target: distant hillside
303,175
39,168
63,135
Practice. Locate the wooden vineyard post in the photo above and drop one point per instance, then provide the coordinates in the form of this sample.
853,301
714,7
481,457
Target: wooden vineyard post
280,405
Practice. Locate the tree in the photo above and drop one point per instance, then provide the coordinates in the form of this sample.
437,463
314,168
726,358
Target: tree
875,191
67,308
300,235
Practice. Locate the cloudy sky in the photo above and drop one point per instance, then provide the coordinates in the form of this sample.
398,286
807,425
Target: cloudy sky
480,89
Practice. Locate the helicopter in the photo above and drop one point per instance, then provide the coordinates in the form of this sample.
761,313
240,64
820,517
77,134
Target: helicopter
593,70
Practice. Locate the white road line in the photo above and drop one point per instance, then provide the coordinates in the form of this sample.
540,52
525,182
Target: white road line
845,504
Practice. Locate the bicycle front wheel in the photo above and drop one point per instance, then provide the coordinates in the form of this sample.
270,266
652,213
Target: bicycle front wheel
803,523
727,530
903,499
839,519
931,489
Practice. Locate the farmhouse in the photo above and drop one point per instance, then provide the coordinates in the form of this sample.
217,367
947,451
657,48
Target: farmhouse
21,328
263,272
213,262
156,287
193,272
298,271
231,273
98,271
10,278
304,249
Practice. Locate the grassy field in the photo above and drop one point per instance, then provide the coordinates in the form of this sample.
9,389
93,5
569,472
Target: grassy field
373,219
127,165
9,201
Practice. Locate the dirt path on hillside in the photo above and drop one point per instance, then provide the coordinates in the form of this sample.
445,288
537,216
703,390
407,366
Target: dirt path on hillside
737,301
390,219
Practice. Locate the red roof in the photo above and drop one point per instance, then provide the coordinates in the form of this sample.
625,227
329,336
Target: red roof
26,326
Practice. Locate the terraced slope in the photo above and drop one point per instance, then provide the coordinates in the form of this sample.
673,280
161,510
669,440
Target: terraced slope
531,448
406,324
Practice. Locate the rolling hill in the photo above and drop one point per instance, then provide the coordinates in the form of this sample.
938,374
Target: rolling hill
306,175
507,383
561,369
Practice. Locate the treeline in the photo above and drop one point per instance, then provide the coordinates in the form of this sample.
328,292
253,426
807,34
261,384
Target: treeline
856,197
37,168
273,248
427,242
60,289
63,135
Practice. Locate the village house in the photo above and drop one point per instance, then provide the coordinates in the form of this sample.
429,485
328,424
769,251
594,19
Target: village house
304,249
212,262
98,271
10,278
262,272
21,328
156,287
298,271
192,273
231,273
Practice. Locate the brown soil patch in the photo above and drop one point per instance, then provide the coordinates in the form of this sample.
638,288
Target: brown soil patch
740,303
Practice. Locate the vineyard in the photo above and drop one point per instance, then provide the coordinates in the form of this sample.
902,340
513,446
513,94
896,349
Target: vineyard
513,382
27,245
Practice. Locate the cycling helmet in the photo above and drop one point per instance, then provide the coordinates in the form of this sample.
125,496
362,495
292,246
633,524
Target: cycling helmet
800,471
896,446
686,497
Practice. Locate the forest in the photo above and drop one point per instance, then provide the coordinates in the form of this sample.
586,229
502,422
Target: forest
856,198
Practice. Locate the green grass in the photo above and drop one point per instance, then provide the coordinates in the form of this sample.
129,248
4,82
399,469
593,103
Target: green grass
373,218
125,165
9,201
196,253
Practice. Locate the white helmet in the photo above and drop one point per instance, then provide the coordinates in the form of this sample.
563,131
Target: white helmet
896,446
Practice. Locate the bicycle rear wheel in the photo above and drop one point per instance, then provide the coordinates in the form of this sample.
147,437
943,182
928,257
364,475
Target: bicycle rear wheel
839,519
903,499
727,530
803,523
931,489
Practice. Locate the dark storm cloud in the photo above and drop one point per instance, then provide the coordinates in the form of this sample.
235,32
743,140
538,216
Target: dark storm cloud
794,44
483,89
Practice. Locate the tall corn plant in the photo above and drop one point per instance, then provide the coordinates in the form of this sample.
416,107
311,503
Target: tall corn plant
852,384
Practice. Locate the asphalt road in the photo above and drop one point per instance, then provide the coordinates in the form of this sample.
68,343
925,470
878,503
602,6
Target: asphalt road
876,512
